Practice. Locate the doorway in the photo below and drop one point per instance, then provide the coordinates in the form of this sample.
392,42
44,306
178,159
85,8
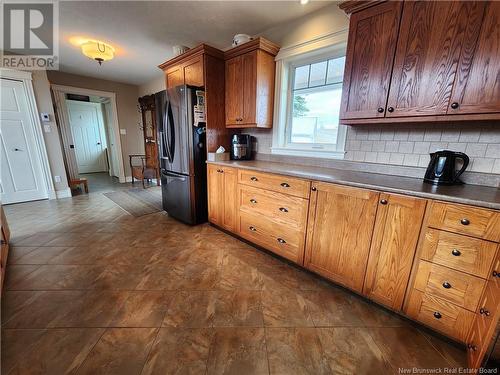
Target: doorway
24,162
90,133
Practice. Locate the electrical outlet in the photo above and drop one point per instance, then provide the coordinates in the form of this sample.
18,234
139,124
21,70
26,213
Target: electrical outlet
57,178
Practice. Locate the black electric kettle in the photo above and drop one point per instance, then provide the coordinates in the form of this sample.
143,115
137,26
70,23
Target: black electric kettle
442,168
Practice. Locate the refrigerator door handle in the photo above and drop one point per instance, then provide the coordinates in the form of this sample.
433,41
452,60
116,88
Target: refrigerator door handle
170,124
174,176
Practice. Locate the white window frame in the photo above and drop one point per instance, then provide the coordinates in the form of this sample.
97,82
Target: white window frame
328,47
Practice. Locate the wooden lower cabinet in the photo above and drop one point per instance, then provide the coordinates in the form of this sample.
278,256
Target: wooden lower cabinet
397,228
222,185
339,232
5,237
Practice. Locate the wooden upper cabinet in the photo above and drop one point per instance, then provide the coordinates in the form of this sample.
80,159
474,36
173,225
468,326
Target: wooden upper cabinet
397,228
250,70
431,39
341,221
234,91
370,52
193,72
174,77
477,86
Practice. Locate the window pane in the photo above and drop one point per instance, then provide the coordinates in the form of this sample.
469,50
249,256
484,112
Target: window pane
315,116
335,70
318,74
301,77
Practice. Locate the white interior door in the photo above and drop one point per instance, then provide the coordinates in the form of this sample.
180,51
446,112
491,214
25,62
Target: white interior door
22,177
85,120
114,169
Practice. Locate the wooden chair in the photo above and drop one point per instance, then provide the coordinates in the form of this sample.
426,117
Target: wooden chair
144,171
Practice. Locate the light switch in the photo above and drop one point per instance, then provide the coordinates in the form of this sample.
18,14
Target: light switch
123,131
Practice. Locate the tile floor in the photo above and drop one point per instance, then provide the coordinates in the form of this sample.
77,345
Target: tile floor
93,290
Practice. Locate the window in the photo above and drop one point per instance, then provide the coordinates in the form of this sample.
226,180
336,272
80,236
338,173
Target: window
308,120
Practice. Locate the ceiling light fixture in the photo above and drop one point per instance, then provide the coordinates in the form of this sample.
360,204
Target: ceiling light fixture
98,51
304,2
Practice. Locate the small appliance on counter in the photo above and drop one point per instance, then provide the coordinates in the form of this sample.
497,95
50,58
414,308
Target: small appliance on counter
241,147
442,168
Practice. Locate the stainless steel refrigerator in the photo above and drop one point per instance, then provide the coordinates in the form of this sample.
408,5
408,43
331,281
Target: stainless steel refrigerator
182,152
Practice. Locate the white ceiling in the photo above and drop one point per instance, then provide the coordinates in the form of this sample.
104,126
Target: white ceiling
143,32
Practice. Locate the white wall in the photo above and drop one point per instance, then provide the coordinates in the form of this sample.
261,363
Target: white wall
153,86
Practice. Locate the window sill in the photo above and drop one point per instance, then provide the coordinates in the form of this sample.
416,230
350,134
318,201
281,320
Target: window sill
328,154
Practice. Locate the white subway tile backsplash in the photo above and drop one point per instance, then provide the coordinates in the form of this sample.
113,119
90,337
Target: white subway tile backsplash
392,146
387,135
401,135
469,135
405,147
432,135
434,146
484,165
493,151
378,146
496,167
396,158
411,160
416,134
421,147
460,147
476,149
374,135
383,157
371,157
366,145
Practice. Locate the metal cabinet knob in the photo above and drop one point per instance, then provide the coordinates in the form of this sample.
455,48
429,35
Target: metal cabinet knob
390,109
472,347
383,201
284,184
281,240
446,285
465,221
380,109
483,311
454,105
283,209
252,229
495,274
437,315
313,188
254,179
253,201
456,252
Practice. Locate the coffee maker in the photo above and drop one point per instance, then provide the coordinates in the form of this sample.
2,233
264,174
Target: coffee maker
241,147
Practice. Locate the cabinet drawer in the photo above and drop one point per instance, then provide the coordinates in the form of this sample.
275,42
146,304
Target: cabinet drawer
274,182
453,286
475,222
440,315
280,208
279,238
461,253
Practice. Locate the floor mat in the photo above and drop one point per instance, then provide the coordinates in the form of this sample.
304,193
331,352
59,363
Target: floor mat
136,203
151,196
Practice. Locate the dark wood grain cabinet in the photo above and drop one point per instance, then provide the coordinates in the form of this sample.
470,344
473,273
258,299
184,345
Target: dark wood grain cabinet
250,71
417,61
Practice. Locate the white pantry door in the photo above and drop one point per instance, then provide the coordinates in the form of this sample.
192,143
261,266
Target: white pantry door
85,122
22,177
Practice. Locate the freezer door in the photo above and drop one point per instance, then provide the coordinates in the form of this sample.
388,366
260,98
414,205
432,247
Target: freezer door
178,196
177,139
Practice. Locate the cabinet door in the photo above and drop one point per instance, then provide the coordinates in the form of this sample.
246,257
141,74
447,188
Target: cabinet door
215,194
370,54
249,76
397,227
430,41
175,77
230,210
193,72
234,91
340,227
477,86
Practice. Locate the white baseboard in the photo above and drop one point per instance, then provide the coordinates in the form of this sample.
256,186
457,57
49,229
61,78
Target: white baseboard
66,193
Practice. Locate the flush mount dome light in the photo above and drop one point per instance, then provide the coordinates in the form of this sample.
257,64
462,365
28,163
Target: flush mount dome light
98,51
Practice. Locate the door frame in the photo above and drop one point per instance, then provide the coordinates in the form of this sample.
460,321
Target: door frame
60,92
27,80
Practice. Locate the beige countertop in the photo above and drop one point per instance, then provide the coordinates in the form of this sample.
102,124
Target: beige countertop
481,196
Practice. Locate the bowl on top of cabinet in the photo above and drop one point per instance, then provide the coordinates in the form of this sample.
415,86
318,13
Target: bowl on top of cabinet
250,71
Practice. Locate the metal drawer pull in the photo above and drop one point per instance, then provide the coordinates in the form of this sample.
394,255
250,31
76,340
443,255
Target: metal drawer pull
284,184
314,188
253,201
446,285
472,347
465,221
281,240
456,252
283,209
495,274
254,179
483,311
252,229
437,315
383,201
